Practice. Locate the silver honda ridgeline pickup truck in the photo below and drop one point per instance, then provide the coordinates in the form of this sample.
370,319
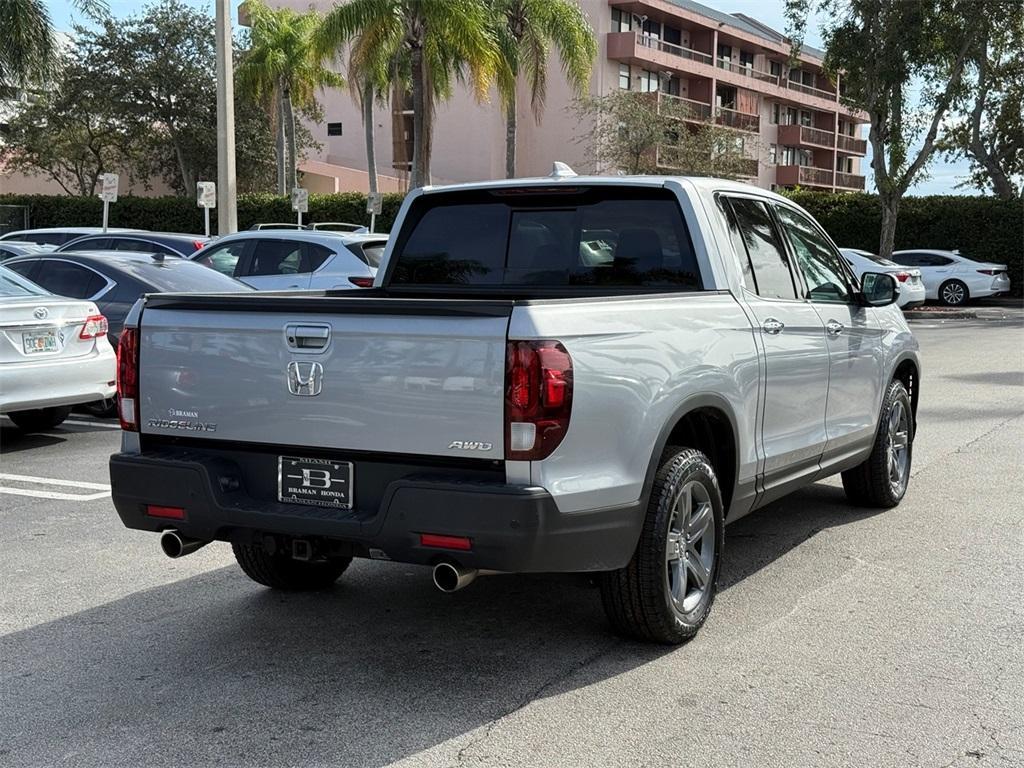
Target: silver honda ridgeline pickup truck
555,374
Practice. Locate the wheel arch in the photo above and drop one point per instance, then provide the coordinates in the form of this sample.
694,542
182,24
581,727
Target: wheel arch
908,371
706,422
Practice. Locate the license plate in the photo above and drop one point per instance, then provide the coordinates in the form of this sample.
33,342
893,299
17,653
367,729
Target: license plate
35,342
316,482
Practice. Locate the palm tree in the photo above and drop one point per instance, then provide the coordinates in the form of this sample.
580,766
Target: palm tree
28,50
370,75
526,30
281,67
440,39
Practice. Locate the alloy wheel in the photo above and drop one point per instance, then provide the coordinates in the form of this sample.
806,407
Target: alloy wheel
953,293
690,547
898,447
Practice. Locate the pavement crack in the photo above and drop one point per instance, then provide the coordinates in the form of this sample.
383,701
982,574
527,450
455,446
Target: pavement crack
533,695
968,444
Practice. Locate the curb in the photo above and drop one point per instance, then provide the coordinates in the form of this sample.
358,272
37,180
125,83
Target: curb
952,314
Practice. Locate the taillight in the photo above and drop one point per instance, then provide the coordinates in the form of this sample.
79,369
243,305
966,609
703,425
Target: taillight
362,282
128,379
991,271
197,244
538,398
95,326
902,276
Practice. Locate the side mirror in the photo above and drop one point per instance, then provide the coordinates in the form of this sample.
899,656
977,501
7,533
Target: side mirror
879,289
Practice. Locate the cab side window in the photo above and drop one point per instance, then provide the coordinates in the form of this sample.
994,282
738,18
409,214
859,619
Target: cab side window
819,262
756,234
225,258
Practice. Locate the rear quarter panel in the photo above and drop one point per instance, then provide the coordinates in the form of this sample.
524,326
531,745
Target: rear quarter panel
636,361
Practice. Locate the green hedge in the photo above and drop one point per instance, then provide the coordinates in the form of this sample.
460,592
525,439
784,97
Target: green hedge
180,214
985,227
982,227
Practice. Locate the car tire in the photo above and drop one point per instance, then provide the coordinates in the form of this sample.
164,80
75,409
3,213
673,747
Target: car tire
881,480
102,409
954,293
280,571
664,595
40,419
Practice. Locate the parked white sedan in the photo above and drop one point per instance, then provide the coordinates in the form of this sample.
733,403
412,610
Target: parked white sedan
53,354
953,278
912,291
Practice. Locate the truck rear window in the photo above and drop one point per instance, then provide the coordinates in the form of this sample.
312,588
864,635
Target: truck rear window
585,236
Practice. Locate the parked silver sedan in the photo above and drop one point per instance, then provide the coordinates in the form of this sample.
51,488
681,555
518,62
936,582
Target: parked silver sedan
53,354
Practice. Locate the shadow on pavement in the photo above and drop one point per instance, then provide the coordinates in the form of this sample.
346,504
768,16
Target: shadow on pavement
13,439
215,670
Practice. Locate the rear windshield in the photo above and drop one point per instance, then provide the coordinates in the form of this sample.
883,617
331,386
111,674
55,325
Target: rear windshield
567,236
180,276
369,252
13,284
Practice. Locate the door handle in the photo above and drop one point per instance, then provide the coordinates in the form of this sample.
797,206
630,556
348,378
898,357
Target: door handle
308,338
834,327
772,326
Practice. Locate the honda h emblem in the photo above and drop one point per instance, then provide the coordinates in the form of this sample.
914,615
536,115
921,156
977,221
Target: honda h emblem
305,379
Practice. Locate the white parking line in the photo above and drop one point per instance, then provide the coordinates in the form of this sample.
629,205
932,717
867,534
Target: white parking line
103,490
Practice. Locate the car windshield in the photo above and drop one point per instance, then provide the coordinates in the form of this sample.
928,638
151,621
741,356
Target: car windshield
13,284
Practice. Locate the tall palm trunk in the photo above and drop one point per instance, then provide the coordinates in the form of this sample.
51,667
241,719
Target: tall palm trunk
371,151
510,136
289,124
420,148
282,185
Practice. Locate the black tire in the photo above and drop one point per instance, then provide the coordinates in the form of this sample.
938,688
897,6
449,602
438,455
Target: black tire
639,598
279,571
102,409
954,293
871,483
40,419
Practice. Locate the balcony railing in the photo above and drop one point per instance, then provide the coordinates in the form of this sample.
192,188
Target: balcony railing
741,120
749,71
695,110
649,41
852,145
792,175
804,135
849,181
795,86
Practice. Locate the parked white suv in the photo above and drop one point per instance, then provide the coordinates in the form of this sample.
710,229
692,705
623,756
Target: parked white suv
953,278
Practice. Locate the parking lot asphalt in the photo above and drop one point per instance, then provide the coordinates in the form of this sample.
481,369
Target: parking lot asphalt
840,637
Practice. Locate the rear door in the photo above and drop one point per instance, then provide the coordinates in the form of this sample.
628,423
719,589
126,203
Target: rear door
276,264
384,375
852,333
792,338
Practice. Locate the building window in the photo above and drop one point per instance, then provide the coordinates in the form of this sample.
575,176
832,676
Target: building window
746,59
790,118
844,164
622,21
647,81
805,118
776,113
775,68
725,97
725,52
624,76
773,154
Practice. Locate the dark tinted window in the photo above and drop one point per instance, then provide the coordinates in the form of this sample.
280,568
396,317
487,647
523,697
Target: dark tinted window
918,259
23,268
370,252
5,253
92,244
49,238
738,246
14,285
316,255
67,279
276,257
934,260
577,236
818,261
140,246
764,248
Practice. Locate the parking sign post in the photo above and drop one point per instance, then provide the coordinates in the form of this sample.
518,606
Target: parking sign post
300,202
373,207
108,194
206,198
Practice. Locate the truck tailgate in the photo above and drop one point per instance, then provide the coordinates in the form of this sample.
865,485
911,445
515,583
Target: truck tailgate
385,375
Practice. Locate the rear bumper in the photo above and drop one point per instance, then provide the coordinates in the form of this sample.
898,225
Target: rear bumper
512,528
45,384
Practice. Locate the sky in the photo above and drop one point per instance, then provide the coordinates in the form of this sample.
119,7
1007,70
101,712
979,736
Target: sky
943,175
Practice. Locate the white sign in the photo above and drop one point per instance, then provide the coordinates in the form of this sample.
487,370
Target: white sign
206,194
300,199
108,187
373,203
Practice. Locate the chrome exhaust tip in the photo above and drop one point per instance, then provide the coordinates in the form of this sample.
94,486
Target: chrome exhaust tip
449,577
174,545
